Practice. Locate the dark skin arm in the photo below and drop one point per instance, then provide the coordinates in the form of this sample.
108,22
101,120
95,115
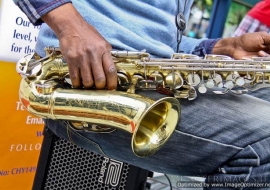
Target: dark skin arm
87,53
245,46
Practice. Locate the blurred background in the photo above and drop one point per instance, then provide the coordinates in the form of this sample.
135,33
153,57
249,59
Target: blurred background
202,23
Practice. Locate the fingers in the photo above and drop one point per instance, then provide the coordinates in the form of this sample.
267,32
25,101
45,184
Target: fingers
251,45
75,77
88,56
104,72
86,74
98,72
93,71
74,72
110,71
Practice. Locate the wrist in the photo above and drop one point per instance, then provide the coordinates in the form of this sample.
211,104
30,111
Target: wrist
224,46
205,47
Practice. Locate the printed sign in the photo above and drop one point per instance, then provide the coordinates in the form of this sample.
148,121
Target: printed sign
21,132
17,34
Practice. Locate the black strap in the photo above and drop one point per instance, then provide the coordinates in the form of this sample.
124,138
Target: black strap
180,22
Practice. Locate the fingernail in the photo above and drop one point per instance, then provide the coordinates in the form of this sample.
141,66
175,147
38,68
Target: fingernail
263,53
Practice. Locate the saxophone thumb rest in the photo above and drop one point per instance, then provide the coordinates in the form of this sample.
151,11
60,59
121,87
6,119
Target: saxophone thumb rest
44,93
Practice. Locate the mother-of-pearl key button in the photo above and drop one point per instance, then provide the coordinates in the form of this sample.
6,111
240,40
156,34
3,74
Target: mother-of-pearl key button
229,84
202,89
193,79
210,83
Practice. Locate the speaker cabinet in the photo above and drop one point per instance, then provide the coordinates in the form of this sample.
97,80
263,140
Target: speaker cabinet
64,165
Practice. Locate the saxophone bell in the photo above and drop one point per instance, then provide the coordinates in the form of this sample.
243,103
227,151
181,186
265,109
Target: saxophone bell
150,122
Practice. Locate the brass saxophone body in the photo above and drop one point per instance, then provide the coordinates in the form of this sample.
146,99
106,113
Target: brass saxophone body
46,91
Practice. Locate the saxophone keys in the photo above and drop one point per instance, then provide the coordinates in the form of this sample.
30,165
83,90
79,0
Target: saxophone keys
210,83
230,80
234,79
217,57
68,80
151,81
184,56
222,92
240,92
174,80
46,87
218,80
229,84
123,81
202,88
240,81
88,127
157,77
21,66
27,66
192,93
193,79
248,78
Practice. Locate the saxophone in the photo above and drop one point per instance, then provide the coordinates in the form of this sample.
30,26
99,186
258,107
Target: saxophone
46,91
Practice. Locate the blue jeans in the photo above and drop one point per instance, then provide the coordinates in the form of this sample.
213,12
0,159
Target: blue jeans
225,138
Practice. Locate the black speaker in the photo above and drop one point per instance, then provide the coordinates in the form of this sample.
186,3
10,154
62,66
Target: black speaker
64,165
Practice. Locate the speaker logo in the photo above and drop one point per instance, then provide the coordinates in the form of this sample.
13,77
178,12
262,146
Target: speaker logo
110,172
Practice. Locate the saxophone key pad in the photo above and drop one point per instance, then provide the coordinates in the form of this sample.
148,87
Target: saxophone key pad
240,81
202,88
218,80
193,79
229,84
210,83
174,80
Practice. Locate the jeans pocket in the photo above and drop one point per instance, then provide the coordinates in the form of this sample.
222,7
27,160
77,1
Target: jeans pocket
83,142
64,130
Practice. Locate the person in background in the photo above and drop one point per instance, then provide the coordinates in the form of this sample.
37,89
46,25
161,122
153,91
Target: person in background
225,139
256,20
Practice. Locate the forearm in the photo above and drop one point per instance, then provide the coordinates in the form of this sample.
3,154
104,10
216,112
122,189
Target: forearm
224,47
63,18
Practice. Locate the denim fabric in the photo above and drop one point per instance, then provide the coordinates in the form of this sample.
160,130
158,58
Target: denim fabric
222,137
205,47
130,25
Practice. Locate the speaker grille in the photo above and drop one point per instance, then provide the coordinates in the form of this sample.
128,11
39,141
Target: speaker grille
72,167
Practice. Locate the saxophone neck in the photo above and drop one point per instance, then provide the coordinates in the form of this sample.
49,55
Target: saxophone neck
35,69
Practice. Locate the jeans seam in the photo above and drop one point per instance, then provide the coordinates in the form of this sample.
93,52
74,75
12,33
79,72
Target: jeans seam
251,168
70,130
249,173
216,142
69,136
258,157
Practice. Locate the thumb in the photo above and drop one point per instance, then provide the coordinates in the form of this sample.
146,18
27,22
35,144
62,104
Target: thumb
263,54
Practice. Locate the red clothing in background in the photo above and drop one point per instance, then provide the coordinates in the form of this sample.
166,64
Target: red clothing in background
261,12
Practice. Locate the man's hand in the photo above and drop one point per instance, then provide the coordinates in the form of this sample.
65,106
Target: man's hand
87,53
245,46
